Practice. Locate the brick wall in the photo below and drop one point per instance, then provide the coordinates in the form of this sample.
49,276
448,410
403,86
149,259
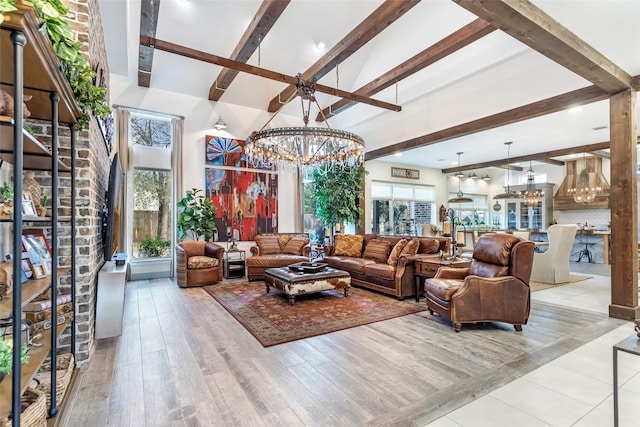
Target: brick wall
92,175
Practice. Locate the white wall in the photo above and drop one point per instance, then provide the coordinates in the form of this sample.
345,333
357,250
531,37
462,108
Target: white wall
200,115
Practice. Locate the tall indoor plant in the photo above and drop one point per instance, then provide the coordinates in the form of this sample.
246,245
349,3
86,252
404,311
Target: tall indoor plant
196,216
337,193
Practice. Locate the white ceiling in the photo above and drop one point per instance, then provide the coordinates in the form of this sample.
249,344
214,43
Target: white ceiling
493,74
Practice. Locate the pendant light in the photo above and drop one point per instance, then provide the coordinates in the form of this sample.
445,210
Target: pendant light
585,190
460,197
508,194
531,195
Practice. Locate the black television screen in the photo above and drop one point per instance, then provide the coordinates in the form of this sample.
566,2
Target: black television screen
112,211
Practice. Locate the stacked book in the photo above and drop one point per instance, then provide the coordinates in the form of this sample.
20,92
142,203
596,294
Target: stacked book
38,313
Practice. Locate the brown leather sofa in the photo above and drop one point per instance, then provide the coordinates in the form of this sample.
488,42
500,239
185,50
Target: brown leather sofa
198,263
495,288
276,250
397,280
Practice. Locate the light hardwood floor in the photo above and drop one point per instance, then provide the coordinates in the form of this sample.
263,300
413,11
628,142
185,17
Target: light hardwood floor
182,360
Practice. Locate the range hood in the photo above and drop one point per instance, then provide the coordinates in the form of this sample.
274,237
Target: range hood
563,200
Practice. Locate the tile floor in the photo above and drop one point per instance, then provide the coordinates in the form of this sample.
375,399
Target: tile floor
575,389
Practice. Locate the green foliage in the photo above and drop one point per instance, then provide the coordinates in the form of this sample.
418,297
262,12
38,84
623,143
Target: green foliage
155,247
6,191
6,6
43,200
90,98
337,194
196,216
6,357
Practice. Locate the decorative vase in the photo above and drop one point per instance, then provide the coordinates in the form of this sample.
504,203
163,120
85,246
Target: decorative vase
30,185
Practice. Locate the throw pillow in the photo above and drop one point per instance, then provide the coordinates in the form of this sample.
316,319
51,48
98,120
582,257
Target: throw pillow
429,246
268,244
283,239
395,252
411,248
348,245
198,261
377,250
294,246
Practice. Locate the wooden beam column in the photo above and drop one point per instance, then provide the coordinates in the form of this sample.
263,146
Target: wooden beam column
624,207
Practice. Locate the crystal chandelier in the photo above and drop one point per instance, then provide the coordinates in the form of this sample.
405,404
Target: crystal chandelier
531,195
585,189
304,148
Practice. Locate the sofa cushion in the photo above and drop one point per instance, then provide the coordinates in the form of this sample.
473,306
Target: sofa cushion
377,250
411,248
384,271
268,244
294,245
350,264
199,261
348,245
429,246
278,260
442,288
395,252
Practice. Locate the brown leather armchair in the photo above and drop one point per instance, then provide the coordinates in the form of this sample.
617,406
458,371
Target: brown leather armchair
198,263
494,288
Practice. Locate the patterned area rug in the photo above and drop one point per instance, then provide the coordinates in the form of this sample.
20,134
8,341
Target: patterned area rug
271,319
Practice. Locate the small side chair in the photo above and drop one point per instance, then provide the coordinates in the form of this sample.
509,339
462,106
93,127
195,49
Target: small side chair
198,263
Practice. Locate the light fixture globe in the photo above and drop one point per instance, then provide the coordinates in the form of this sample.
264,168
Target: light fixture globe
304,148
585,187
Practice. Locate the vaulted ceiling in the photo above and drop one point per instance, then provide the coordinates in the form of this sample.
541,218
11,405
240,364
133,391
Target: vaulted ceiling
466,75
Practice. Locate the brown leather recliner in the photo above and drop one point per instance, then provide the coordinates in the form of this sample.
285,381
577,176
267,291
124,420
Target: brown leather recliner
198,263
494,288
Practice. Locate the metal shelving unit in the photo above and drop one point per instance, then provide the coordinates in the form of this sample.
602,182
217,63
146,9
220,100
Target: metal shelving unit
28,65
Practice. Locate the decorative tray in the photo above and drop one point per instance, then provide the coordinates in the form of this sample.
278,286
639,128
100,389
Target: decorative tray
308,267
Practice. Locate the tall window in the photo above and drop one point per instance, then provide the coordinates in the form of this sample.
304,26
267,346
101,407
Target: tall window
151,139
401,209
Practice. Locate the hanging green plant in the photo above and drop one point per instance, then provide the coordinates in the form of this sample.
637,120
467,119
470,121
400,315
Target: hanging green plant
90,98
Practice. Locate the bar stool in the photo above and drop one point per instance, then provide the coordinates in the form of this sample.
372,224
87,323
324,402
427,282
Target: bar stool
585,252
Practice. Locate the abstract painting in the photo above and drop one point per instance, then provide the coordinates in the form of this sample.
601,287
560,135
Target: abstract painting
247,202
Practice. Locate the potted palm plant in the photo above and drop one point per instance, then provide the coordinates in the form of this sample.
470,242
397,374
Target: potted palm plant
196,216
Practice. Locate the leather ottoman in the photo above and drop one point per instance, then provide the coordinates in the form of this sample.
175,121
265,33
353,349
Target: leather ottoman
294,283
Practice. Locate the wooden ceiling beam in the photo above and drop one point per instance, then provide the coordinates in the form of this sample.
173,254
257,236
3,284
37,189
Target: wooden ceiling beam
545,156
261,24
554,104
148,26
532,26
445,47
551,161
380,19
256,71
600,153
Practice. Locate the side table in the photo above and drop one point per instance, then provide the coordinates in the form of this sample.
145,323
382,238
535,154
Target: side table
234,263
426,268
628,345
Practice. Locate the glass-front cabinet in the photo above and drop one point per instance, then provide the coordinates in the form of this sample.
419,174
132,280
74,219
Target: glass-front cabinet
514,215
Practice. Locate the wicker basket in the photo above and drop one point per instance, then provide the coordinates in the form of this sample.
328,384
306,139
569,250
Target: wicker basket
63,376
36,413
